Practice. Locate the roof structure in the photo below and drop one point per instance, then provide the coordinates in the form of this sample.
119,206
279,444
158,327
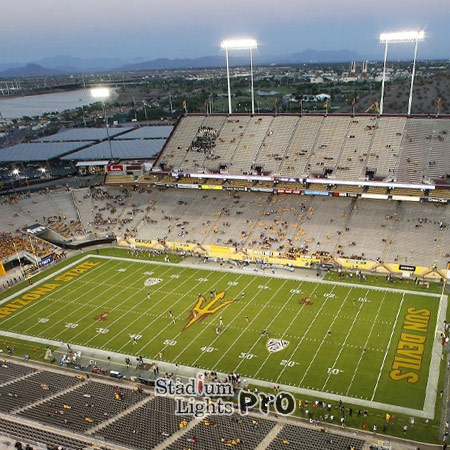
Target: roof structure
39,151
120,150
152,132
84,134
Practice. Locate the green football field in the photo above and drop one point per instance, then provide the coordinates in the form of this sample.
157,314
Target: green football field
367,343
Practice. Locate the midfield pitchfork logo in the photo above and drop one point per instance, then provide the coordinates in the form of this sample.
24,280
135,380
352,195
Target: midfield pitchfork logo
202,309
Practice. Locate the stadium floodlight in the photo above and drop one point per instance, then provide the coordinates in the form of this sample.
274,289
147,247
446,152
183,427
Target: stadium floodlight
102,93
239,44
15,172
400,37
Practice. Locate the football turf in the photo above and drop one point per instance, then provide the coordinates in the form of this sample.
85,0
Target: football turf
330,337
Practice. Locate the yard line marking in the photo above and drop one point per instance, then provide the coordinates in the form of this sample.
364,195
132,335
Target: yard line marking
39,312
257,340
18,294
133,308
305,333
387,348
345,341
294,277
184,310
299,310
90,312
365,345
325,338
248,325
159,316
205,328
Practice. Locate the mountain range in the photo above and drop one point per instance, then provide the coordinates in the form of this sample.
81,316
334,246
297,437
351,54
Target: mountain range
61,65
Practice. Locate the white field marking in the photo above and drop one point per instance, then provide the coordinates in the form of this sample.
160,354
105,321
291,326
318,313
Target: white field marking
182,312
169,367
365,345
145,300
268,326
157,316
304,334
226,327
345,340
43,280
299,310
436,352
40,311
247,326
325,338
387,348
277,276
18,294
94,324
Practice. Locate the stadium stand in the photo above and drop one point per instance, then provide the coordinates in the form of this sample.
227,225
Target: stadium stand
37,436
85,407
390,148
218,432
309,439
147,426
35,387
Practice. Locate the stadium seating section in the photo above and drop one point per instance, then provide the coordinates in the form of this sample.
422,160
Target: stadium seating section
407,150
57,407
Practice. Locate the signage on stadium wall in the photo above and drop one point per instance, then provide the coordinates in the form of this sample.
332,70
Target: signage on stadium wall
375,196
35,229
407,268
115,168
436,200
289,191
235,188
187,186
44,261
261,189
356,262
288,180
212,187
406,198
312,192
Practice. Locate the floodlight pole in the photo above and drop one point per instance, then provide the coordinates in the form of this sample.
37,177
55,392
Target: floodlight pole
107,129
412,77
384,77
251,78
228,81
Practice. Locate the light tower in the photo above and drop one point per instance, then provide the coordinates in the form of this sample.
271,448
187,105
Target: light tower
239,44
400,37
102,94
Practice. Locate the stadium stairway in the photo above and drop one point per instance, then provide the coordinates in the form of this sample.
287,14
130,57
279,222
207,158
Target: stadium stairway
273,433
124,413
48,399
172,439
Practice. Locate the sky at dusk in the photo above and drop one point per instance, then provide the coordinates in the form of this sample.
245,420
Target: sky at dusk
30,29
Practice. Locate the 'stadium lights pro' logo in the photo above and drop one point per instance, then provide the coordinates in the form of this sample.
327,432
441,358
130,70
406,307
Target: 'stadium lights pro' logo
198,398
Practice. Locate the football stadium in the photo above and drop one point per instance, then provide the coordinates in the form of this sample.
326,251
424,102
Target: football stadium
258,281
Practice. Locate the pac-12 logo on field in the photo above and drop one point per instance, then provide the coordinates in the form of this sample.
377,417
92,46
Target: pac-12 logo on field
152,281
275,345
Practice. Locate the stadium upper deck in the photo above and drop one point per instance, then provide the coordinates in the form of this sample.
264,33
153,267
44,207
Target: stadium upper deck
342,148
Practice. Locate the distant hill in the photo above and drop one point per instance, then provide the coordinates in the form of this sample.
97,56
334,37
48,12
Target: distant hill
65,64
30,70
